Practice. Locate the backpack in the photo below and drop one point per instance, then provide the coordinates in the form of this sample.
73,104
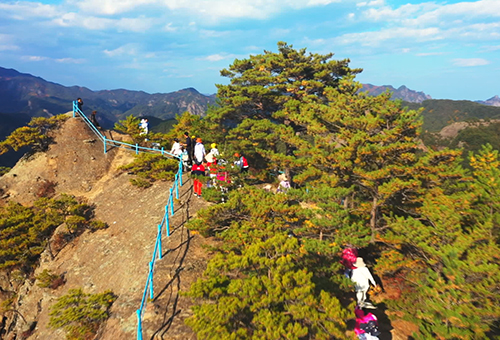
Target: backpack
370,327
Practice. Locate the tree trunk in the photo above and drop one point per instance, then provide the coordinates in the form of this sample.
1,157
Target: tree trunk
373,218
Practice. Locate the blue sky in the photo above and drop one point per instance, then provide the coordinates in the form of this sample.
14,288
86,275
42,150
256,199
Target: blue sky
447,49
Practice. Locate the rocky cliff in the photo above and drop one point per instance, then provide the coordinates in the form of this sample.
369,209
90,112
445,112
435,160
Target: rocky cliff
115,258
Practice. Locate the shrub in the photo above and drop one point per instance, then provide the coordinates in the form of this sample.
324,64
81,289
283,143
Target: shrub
48,280
80,314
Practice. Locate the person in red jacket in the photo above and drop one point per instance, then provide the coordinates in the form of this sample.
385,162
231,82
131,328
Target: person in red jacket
198,169
241,162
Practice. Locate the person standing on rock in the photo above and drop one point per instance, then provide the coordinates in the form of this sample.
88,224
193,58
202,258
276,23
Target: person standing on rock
189,147
79,103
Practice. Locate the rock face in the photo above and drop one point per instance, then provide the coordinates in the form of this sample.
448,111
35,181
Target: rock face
115,258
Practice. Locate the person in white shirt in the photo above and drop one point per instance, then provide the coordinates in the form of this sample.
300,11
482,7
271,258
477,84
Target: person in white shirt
361,277
199,151
176,148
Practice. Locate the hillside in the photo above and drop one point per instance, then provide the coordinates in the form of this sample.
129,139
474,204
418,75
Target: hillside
116,258
34,96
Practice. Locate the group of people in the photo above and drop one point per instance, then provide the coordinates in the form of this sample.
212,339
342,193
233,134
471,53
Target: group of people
194,156
366,327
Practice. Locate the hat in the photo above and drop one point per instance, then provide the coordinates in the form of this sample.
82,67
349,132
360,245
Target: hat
198,140
282,177
359,263
213,145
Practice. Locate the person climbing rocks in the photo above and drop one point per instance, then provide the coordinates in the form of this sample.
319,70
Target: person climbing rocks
362,277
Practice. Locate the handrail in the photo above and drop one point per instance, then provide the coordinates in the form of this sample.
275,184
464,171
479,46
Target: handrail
165,222
133,147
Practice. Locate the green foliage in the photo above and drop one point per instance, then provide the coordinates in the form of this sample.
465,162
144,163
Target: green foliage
263,284
25,231
48,280
80,314
3,169
360,178
439,113
150,168
131,127
35,135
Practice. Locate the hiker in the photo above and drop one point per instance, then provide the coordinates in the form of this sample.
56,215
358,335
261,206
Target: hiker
93,119
362,277
199,151
193,144
79,103
176,148
349,256
214,150
241,162
366,327
284,184
144,126
198,169
189,148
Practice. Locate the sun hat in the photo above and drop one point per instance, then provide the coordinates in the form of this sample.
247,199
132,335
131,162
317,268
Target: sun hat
198,140
359,263
213,145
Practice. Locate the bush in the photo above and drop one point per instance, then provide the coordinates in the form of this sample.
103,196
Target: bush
48,280
80,314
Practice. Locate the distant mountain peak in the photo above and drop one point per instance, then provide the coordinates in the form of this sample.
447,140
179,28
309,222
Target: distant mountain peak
493,101
402,92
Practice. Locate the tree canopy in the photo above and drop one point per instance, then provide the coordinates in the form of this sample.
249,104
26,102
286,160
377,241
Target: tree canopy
361,177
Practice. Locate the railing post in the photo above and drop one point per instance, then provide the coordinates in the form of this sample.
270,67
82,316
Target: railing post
180,171
73,109
159,241
176,185
136,149
167,222
139,324
171,202
104,141
151,294
162,150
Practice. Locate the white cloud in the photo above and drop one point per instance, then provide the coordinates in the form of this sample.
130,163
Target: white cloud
128,49
376,38
24,10
33,58
470,62
170,27
216,57
70,60
212,11
111,7
428,54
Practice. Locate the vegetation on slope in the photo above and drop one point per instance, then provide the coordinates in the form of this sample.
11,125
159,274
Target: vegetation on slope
428,226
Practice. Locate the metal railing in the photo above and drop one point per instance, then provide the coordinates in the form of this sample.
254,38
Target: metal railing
114,143
165,222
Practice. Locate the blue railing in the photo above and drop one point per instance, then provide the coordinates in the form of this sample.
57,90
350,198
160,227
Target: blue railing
114,143
165,222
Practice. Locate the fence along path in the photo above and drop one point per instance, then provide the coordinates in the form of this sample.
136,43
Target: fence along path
169,208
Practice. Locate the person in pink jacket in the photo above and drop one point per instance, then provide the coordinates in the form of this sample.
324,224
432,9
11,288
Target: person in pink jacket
366,327
349,256
361,277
